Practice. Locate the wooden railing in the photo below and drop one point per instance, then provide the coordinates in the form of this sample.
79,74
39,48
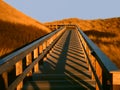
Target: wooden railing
105,72
18,66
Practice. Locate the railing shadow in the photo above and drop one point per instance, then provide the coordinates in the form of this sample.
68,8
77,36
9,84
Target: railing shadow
62,68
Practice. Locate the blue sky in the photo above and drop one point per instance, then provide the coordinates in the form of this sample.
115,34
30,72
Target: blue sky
50,10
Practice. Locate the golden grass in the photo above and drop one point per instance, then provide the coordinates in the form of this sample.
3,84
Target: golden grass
103,32
17,29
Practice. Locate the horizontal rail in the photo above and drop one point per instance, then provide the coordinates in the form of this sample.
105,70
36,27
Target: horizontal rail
103,60
22,61
19,54
105,72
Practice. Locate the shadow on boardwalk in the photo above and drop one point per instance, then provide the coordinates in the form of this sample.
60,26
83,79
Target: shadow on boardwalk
65,66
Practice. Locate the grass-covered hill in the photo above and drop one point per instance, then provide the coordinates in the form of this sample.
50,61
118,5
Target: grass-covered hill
17,29
104,32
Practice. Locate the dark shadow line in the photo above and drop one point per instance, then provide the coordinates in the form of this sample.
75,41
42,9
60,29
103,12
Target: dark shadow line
78,63
76,83
60,66
54,57
81,81
56,52
58,47
51,61
76,54
80,59
80,71
76,50
46,68
52,64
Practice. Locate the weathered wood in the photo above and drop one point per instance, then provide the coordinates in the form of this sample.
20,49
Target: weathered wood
30,67
36,67
29,59
5,80
102,67
116,80
103,60
19,70
13,58
44,45
40,49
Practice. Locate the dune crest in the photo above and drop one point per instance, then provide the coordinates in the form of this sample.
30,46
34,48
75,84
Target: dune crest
17,29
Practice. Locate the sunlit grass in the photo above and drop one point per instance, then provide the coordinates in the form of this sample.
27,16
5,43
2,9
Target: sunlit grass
17,29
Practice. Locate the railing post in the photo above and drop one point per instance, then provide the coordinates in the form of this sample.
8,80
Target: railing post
40,49
19,70
28,62
116,80
47,43
56,27
4,81
36,67
44,45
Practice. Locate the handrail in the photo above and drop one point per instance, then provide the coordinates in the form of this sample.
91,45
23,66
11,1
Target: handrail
29,47
32,54
104,61
102,67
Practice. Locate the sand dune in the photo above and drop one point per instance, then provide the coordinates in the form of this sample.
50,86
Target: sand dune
17,29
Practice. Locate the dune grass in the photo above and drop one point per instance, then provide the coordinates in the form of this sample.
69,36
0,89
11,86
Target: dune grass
17,29
13,36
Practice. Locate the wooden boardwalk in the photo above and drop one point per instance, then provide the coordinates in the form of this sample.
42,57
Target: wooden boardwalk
64,67
64,59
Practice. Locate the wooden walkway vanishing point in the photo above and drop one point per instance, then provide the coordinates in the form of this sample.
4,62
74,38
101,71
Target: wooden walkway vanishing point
64,67
63,59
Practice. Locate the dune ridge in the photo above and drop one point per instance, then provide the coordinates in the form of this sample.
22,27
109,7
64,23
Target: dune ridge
17,29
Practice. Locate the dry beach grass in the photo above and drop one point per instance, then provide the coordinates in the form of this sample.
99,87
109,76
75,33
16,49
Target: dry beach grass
17,29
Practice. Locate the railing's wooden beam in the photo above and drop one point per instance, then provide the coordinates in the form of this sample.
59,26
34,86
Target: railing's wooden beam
31,66
12,59
5,80
19,70
36,67
105,71
29,59
103,60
